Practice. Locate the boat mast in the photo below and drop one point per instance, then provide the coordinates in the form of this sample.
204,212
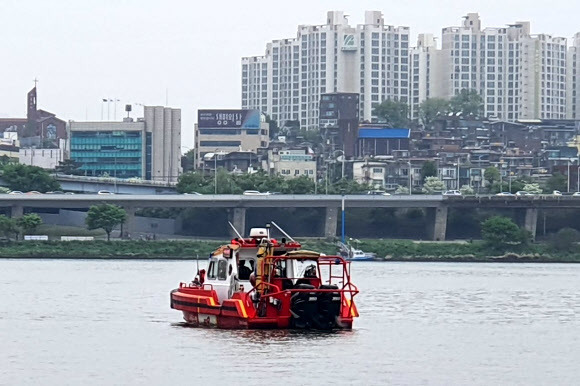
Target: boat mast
235,230
281,230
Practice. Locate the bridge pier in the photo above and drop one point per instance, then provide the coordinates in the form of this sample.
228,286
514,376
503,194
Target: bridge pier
16,211
331,222
438,218
238,219
531,221
130,222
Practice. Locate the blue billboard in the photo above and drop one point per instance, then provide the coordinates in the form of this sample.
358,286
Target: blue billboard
244,119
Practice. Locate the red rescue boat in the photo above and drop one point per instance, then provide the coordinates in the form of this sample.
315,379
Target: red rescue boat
260,282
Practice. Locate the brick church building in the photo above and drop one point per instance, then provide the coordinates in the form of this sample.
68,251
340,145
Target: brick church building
40,128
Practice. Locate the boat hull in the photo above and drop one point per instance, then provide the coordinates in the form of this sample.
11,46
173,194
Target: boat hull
201,309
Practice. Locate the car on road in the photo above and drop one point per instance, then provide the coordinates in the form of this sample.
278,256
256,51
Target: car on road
193,194
16,192
452,193
505,194
33,192
378,193
255,193
576,194
556,193
523,193
55,192
104,192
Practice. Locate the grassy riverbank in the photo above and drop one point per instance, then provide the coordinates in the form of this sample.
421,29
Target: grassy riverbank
389,250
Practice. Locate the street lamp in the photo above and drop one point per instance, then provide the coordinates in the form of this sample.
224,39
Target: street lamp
215,171
568,175
342,217
342,160
410,178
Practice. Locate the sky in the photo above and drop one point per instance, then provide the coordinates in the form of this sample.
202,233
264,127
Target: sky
188,53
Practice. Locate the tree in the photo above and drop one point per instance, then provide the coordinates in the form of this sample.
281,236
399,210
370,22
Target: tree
467,190
428,170
433,185
68,166
26,178
8,227
467,102
29,222
105,216
498,231
533,188
188,160
431,108
402,190
491,175
565,239
393,113
558,181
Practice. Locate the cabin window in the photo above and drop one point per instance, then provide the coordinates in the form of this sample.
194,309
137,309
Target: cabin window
212,270
245,269
222,268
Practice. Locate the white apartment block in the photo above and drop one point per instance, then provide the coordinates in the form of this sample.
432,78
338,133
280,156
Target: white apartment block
518,74
371,59
424,80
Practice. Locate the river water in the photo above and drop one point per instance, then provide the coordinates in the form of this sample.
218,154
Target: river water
73,322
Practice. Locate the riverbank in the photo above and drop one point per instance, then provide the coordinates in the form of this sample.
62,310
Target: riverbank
386,250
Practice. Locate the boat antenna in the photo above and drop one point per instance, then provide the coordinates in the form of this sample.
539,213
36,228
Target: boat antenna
268,232
197,262
282,230
235,230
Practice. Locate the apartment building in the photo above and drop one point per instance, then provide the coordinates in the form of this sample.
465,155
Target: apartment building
371,59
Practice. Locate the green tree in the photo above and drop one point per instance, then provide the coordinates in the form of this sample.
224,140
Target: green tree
105,216
393,113
4,190
8,227
188,160
26,178
69,167
491,175
431,108
467,190
565,240
300,185
428,170
194,182
467,102
433,185
533,188
29,222
402,190
498,231
558,181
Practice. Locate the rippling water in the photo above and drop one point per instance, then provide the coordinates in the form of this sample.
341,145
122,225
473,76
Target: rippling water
108,322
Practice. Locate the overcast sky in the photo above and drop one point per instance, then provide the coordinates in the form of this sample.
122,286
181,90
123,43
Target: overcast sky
135,50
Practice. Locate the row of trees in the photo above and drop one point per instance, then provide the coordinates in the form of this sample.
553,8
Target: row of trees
13,227
227,183
557,181
396,113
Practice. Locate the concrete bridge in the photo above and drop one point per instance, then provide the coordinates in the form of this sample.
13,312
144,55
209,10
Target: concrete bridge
437,206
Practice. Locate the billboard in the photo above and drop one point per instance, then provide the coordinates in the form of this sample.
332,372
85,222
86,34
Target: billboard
244,119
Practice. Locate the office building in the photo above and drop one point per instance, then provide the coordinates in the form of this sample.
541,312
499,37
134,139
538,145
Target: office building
148,148
371,59
339,119
226,131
